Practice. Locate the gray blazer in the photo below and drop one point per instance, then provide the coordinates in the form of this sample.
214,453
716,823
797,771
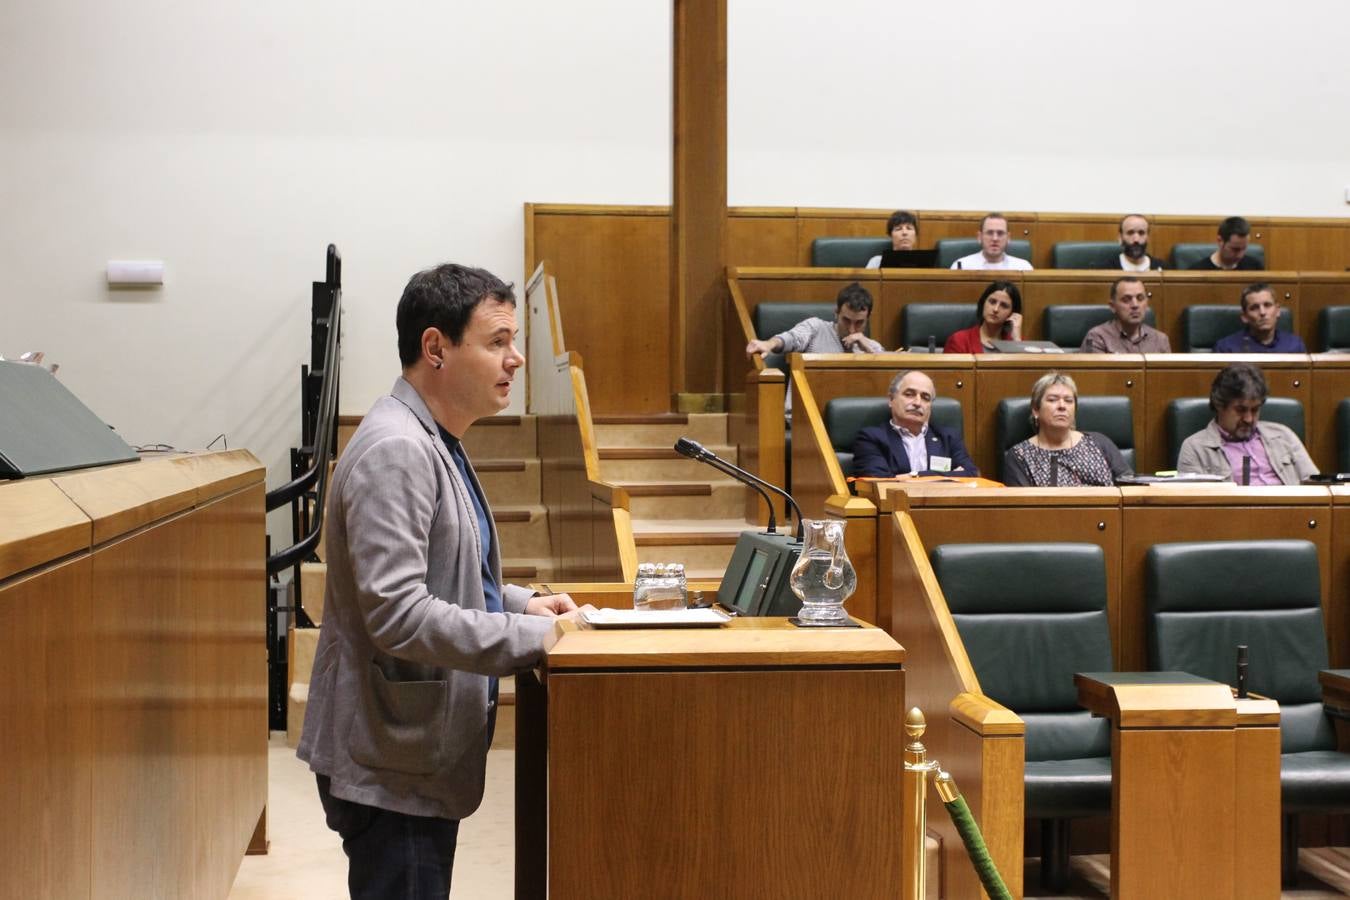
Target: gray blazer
398,710
1202,453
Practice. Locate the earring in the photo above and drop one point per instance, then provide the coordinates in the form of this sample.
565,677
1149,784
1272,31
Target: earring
436,364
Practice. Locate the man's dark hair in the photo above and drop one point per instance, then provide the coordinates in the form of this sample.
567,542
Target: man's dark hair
1115,285
1254,288
1238,381
856,297
992,215
901,217
1013,294
443,297
1234,225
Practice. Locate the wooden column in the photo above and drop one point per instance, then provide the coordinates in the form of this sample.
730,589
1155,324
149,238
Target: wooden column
698,211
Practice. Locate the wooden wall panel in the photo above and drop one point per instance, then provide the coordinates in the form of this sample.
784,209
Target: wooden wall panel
1338,610
46,693
1315,293
1330,385
1309,247
613,274
767,239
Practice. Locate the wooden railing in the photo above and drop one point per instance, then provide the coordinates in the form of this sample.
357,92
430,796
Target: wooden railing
590,528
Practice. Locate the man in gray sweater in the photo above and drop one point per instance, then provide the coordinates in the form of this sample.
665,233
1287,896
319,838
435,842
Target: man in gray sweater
417,623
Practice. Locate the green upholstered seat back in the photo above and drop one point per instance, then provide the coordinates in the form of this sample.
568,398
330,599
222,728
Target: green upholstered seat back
1333,323
920,320
1085,255
1203,325
1186,255
1067,323
1343,435
1187,415
846,416
949,250
1111,415
1204,598
1030,616
847,252
771,317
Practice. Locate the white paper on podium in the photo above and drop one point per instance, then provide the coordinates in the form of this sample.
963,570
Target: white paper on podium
664,618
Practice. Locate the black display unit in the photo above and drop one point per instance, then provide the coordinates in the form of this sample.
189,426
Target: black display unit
756,580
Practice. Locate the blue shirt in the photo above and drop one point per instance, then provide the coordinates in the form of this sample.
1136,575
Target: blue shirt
492,591
1242,342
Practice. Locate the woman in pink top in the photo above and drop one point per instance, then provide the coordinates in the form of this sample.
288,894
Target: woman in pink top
999,318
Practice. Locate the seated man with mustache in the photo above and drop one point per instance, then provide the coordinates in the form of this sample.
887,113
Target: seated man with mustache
909,444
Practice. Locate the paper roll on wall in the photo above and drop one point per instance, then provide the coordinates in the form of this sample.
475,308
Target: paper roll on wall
136,271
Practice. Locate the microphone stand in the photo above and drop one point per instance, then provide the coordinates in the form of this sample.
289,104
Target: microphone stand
695,450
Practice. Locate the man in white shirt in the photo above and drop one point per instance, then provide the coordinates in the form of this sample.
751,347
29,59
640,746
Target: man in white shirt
1134,245
993,247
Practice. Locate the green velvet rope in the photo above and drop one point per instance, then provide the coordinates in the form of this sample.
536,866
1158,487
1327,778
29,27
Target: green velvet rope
976,850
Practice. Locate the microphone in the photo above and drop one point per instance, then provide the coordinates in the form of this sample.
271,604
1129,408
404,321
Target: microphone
1242,671
696,451
1246,470
932,343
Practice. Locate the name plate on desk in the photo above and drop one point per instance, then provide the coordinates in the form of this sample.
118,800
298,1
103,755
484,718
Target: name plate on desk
666,618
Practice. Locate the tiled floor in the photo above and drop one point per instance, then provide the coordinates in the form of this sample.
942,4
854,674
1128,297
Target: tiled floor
306,860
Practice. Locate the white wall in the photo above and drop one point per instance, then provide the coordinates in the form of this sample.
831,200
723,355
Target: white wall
1167,107
234,141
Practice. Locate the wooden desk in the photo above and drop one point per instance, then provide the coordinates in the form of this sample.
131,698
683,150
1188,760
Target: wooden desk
1176,827
752,760
133,676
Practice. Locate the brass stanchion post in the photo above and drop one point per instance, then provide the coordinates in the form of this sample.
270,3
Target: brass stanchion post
915,830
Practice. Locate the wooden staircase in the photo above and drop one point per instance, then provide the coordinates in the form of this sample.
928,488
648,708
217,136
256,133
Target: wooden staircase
683,511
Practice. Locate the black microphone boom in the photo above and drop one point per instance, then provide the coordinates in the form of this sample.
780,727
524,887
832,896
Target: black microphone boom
694,450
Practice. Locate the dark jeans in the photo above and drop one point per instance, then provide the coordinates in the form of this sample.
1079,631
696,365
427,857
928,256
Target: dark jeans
391,854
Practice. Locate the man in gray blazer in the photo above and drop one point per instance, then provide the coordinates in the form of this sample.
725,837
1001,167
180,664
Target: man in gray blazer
417,623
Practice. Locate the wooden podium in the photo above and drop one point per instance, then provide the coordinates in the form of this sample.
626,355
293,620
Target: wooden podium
757,759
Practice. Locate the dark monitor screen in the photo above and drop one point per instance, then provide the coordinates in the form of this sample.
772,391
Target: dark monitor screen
758,573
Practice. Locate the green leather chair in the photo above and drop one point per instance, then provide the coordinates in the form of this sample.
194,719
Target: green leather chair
1333,324
846,416
1030,616
1067,324
1203,325
1186,255
1343,435
1205,598
1112,416
1085,255
847,252
774,318
1187,415
920,320
949,250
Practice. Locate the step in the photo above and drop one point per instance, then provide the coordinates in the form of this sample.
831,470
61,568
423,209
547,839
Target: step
659,464
509,482
301,644
685,499
313,576
660,431
523,531
525,570
704,546
502,437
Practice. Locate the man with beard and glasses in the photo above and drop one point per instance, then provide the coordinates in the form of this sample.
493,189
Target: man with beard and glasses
1134,245
1126,332
1236,444
909,444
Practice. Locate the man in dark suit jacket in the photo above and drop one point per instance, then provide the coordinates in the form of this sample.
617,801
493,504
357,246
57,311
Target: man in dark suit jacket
909,444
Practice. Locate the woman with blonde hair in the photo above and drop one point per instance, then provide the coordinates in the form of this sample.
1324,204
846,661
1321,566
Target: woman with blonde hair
1059,455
